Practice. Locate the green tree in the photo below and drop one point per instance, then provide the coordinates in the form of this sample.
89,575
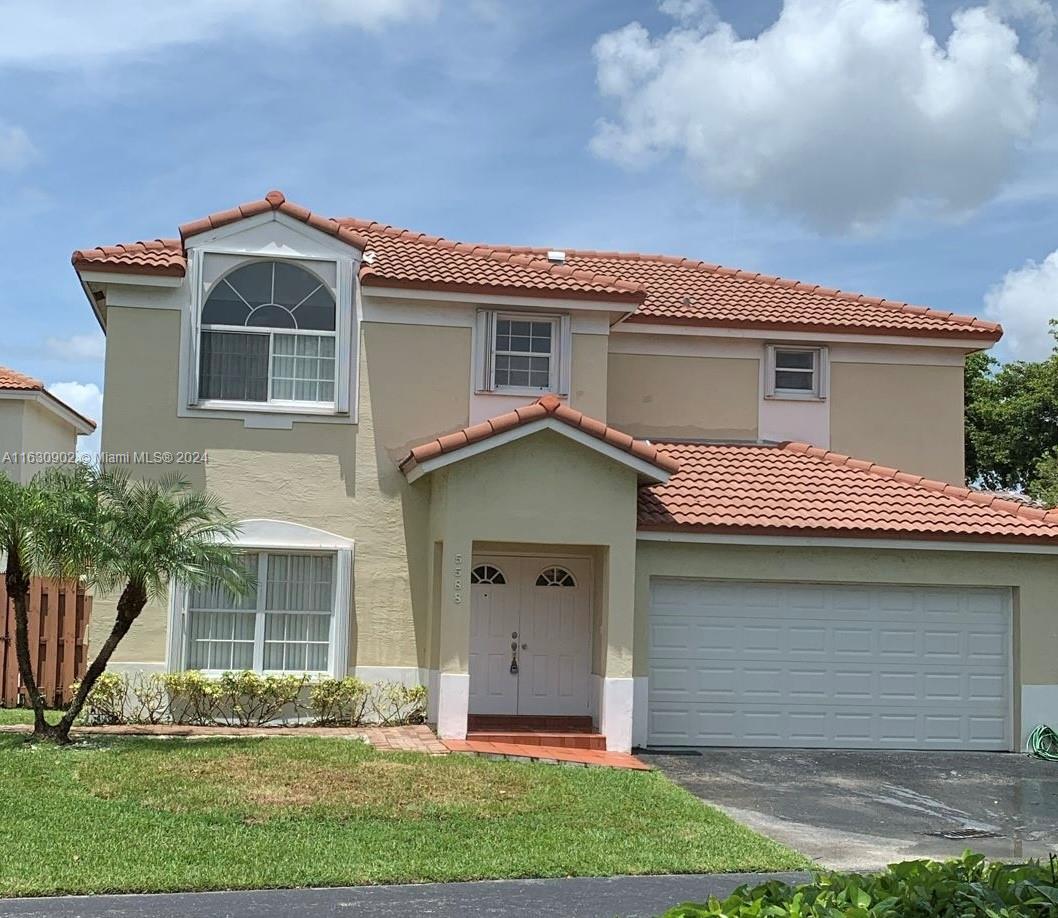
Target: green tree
1012,425
117,534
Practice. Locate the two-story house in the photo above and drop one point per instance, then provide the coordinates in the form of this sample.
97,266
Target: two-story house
702,506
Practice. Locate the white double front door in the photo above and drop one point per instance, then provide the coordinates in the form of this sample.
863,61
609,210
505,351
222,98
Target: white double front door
530,635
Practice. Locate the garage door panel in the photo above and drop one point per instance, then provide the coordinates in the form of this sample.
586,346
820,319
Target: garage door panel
755,672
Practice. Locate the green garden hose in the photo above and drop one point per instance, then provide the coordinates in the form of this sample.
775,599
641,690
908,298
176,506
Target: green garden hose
1043,743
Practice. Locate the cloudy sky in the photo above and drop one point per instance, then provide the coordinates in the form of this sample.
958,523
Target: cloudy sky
901,148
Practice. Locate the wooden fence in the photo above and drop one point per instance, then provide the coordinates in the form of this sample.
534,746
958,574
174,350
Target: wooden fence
58,621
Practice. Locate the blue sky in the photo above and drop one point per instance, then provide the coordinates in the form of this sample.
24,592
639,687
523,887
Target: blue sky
791,152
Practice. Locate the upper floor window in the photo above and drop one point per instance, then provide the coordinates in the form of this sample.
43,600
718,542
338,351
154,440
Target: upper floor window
795,372
522,353
268,335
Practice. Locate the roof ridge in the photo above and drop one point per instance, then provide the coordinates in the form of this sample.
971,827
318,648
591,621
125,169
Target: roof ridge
549,405
956,492
275,201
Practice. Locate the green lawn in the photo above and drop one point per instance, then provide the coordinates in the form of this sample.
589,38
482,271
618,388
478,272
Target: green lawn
123,815
16,716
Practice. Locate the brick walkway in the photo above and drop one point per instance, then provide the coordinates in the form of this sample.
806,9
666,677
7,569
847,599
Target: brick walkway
419,738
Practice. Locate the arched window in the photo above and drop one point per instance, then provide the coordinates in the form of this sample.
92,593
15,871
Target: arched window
268,335
555,577
487,573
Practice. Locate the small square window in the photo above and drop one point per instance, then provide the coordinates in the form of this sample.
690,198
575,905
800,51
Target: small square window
795,372
523,353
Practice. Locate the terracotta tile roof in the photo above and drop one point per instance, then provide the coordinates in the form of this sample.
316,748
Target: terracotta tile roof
547,406
799,489
164,257
663,289
682,291
403,258
12,380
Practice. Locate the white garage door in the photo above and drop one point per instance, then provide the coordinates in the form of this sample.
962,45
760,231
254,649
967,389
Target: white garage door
794,664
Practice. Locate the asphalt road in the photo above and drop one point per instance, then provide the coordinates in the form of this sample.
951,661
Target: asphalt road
627,897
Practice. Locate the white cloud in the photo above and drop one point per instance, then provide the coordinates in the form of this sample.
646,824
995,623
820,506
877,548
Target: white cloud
16,149
1025,301
86,399
77,347
53,33
842,113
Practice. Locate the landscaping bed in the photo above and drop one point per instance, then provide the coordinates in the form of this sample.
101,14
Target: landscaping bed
131,814
965,888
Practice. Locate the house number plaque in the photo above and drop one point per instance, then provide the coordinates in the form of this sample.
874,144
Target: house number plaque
457,583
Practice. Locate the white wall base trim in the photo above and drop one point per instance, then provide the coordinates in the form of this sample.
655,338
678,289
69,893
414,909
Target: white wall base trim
640,710
132,669
406,675
1039,705
615,713
453,703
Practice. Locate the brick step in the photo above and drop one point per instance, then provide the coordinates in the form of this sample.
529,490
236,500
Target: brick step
575,740
551,754
517,723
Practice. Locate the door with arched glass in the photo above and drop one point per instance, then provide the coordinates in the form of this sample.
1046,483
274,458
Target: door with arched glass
530,635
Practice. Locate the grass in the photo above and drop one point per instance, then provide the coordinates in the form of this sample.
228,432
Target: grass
10,716
134,814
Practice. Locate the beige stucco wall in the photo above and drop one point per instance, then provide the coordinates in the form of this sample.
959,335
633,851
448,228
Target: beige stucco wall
335,476
1033,577
588,374
11,436
26,427
541,489
904,415
666,396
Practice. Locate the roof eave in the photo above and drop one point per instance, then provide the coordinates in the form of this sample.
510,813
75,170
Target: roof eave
972,334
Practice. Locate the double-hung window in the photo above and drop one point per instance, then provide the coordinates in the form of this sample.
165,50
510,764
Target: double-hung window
285,623
795,372
522,353
268,335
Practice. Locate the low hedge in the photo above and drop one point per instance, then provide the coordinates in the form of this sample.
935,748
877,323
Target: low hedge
248,699
964,888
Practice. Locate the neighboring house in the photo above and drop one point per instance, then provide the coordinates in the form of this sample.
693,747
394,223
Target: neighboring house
37,430
575,482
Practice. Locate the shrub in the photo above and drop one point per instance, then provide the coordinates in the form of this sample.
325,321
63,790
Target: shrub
192,697
248,699
107,703
339,702
964,888
148,701
394,703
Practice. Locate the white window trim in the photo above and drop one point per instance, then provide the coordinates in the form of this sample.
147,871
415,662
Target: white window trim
820,374
485,352
277,537
346,334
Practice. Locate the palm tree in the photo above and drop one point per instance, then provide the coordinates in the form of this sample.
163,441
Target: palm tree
115,533
44,531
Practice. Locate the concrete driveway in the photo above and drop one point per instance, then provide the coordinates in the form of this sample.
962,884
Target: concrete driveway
863,810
